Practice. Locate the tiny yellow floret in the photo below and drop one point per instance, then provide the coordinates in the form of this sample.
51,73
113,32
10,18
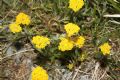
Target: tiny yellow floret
39,73
70,66
15,28
105,48
22,18
65,45
1,27
76,5
40,41
80,41
71,29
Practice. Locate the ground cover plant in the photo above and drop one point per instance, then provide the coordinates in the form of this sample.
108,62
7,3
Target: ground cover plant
60,40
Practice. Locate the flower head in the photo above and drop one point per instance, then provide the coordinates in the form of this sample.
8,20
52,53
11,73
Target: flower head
39,73
80,41
71,29
22,18
105,48
70,66
75,5
15,28
65,44
40,41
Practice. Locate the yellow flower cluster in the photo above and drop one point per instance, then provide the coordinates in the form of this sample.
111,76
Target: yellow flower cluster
40,41
105,48
15,28
75,5
68,44
39,73
65,44
80,41
71,29
20,19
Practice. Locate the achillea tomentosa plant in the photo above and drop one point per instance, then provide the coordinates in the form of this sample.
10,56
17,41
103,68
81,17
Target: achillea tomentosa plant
15,28
76,5
105,48
66,43
40,41
71,29
21,18
38,73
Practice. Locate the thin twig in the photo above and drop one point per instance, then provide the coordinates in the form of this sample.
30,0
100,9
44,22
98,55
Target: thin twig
102,75
77,70
16,53
84,72
95,73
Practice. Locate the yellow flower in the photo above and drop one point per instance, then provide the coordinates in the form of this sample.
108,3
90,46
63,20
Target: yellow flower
40,41
70,66
22,18
71,29
75,5
15,28
65,44
105,48
35,39
80,41
82,57
1,26
39,73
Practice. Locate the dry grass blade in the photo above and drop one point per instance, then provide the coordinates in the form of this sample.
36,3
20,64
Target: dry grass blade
76,72
115,22
112,15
